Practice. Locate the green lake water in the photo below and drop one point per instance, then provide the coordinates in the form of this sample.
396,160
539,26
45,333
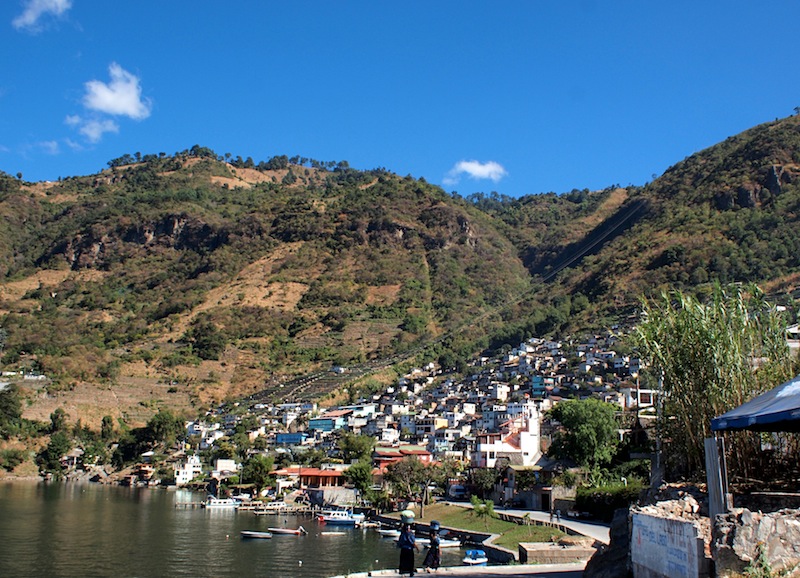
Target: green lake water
72,530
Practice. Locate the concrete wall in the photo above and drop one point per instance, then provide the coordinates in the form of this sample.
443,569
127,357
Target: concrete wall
548,553
666,548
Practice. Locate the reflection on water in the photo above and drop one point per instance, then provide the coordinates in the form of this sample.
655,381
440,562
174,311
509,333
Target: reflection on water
92,530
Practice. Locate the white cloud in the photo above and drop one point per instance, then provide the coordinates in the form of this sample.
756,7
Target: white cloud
92,128
475,170
73,145
50,147
122,96
34,9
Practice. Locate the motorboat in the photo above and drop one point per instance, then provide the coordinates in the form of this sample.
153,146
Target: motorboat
254,535
475,558
443,542
296,532
340,517
389,532
215,502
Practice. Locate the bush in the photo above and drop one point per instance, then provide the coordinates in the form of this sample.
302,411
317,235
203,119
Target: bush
602,501
10,459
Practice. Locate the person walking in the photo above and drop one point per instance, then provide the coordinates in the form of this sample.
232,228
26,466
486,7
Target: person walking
434,556
407,543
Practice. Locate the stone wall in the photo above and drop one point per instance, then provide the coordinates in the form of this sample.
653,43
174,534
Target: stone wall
739,538
566,551
745,539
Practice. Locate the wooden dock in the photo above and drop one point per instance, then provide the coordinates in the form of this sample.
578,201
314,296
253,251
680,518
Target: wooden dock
189,504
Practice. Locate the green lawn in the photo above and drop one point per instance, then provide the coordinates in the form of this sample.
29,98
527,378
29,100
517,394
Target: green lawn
511,534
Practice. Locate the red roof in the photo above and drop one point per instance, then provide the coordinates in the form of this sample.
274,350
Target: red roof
336,413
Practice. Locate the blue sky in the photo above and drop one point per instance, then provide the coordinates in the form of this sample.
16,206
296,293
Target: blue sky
518,97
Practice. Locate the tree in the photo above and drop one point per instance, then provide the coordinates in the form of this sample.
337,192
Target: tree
483,480
354,447
164,427
710,357
360,475
411,478
107,428
58,420
590,431
49,459
208,342
404,476
224,450
257,470
313,458
526,479
483,509
10,410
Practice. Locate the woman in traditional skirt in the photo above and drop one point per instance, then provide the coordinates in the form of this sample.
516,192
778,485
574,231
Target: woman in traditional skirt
407,543
434,556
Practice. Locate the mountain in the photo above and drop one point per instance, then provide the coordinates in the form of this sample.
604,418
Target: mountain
194,279
188,279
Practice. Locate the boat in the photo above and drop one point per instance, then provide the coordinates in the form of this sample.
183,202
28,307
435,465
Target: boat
390,533
252,534
443,543
475,558
340,517
297,532
215,502
370,524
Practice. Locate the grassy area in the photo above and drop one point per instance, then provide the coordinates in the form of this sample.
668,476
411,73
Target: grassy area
517,534
511,534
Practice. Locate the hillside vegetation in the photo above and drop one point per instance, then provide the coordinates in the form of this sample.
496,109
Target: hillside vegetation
193,278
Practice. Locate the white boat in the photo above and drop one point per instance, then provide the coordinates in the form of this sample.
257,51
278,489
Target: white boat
297,532
390,533
443,543
475,558
214,502
252,534
340,517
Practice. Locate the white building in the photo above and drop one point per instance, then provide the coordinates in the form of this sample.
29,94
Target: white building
519,444
187,471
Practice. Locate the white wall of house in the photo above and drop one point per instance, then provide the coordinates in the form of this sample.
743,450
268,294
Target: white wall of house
188,470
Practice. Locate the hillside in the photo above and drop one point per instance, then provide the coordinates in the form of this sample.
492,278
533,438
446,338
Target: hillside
197,279
188,279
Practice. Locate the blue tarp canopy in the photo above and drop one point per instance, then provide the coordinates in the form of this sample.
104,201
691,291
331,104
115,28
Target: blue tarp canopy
775,410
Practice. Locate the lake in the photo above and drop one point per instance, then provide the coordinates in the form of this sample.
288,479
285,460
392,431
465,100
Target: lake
69,529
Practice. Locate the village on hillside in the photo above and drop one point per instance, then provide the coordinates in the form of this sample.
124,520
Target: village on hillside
495,418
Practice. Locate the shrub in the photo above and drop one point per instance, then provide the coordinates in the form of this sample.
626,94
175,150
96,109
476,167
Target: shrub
10,459
602,501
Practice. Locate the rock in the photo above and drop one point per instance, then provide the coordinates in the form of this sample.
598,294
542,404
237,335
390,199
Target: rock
613,561
741,536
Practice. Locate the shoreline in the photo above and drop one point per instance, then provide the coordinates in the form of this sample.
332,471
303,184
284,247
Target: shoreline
505,570
13,478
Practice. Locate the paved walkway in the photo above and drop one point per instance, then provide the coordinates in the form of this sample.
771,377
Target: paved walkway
596,530
510,571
